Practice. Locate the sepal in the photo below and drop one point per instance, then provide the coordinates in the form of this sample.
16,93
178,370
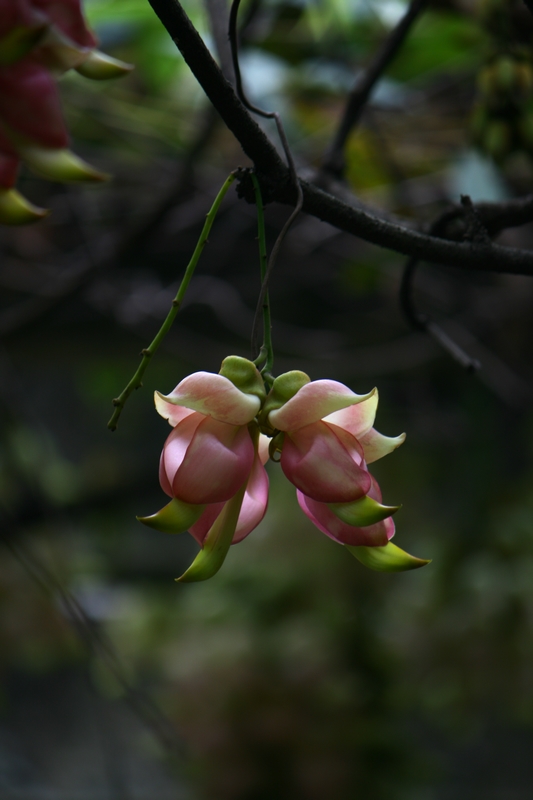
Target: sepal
363,512
100,67
217,542
16,210
176,517
389,558
244,375
59,164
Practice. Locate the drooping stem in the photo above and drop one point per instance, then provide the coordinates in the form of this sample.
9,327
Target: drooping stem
266,351
148,352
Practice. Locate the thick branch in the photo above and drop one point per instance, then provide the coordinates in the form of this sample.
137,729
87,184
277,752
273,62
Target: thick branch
358,97
275,177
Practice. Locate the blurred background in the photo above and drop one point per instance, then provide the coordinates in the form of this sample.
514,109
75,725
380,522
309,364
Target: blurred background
295,672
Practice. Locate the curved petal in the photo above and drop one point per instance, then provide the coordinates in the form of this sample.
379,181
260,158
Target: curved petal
217,462
174,414
175,517
255,501
375,445
216,543
362,512
318,463
175,448
216,397
313,402
326,521
357,419
388,558
201,528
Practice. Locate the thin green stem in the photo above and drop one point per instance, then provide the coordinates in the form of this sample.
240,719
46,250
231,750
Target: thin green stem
148,352
266,351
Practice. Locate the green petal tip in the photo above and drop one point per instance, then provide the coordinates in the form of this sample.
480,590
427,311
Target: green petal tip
60,165
100,67
16,210
389,558
363,512
176,517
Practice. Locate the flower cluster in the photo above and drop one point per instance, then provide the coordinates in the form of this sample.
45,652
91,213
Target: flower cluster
40,40
225,427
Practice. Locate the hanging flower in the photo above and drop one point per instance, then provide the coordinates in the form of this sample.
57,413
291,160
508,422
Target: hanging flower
212,462
39,40
325,435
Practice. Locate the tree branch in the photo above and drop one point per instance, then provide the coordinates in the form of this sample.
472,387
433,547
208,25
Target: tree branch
276,181
334,161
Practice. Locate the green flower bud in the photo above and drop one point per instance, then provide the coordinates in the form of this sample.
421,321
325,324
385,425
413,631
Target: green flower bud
244,375
283,389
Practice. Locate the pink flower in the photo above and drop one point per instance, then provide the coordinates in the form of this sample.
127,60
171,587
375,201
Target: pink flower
212,462
39,40
325,435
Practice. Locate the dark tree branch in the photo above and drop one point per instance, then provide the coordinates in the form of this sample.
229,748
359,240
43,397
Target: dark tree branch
334,161
276,181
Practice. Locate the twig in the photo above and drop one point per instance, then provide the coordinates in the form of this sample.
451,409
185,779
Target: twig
422,321
148,352
275,176
334,161
234,43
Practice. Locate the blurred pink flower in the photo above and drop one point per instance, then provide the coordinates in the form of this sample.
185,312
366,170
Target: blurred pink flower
39,40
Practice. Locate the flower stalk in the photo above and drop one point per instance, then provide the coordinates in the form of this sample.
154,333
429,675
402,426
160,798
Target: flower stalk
266,352
148,352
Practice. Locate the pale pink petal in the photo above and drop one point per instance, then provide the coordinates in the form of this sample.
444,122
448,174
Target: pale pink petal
255,501
203,525
217,462
216,397
174,414
262,446
313,402
325,520
175,448
375,445
357,419
323,466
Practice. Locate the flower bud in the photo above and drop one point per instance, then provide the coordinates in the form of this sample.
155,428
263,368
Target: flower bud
284,388
244,375
16,210
99,67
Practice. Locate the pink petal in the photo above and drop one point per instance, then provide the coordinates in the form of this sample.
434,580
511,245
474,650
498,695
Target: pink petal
313,402
324,465
175,448
169,411
67,15
217,462
202,526
216,397
357,419
255,502
263,444
29,104
325,520
375,445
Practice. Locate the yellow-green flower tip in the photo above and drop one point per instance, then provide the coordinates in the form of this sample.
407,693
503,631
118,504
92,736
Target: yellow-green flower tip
59,164
176,517
389,558
101,67
16,210
363,512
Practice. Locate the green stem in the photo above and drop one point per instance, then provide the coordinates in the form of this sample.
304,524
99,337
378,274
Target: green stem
148,352
266,348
